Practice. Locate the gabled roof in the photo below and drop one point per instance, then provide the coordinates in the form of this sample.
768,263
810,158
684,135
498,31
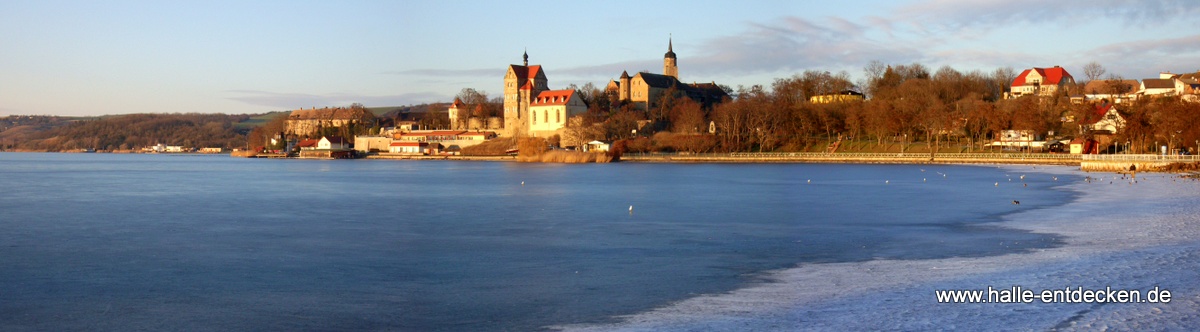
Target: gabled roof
657,81
1110,86
1050,76
553,97
1158,83
525,73
335,139
457,103
308,143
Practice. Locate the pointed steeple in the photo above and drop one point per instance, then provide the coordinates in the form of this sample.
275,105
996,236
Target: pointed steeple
526,57
670,48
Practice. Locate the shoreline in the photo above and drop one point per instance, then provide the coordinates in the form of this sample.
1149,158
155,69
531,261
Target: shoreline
1134,236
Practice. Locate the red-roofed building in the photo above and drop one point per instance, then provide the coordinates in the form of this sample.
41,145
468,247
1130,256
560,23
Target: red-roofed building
550,110
1103,119
308,144
521,84
1041,82
409,147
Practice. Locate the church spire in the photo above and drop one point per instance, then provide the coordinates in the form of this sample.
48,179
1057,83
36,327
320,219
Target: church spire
670,64
670,48
526,57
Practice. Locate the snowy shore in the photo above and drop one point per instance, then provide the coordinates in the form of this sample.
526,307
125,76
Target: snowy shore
1123,235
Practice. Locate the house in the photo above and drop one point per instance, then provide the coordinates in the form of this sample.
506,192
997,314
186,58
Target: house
333,143
308,144
1104,119
1117,91
840,97
1041,82
597,146
550,110
1157,87
409,147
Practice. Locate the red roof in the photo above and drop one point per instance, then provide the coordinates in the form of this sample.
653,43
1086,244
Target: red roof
435,133
308,143
1098,112
553,97
1050,76
335,140
457,103
408,143
525,73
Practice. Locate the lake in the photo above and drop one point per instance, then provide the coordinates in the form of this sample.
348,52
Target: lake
187,242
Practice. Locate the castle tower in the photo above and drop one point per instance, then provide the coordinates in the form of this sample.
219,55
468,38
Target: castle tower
623,88
522,83
670,67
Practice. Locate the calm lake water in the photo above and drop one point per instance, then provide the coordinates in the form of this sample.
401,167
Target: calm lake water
172,242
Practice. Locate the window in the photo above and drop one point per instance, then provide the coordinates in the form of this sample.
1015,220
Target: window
534,119
558,116
545,116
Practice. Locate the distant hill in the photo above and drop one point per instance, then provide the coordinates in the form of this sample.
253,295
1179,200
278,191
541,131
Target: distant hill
121,132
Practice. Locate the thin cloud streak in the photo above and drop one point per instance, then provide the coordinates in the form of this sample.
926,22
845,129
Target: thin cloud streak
306,100
937,16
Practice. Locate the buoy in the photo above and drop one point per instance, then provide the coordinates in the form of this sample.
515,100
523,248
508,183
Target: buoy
631,209
522,183
997,184
810,181
886,181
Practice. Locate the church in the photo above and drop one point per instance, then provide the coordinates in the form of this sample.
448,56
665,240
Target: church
645,89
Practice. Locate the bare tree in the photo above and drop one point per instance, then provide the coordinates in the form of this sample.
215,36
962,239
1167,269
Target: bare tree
1093,71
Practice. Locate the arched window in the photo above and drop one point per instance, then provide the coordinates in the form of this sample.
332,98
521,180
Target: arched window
546,116
558,116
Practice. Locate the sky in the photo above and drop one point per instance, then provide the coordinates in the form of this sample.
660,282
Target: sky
81,58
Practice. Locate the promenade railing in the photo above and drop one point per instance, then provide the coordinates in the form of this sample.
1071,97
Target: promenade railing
853,155
1140,157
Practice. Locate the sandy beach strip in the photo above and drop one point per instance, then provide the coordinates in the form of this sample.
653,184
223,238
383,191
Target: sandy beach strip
1119,234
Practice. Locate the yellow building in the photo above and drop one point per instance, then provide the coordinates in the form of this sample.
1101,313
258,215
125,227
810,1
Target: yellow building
550,110
840,97
645,89
522,84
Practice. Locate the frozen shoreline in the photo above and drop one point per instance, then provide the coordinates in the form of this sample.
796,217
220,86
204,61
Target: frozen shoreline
1119,235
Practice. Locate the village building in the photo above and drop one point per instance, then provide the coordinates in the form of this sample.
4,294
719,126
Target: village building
644,89
1157,87
1117,91
413,148
550,110
1041,82
840,97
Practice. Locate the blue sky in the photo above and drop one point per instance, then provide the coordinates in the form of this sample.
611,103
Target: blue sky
116,57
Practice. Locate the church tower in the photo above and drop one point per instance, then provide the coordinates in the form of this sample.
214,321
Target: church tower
522,83
670,67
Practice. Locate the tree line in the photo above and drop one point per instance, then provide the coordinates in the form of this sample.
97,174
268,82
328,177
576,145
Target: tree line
905,104
130,132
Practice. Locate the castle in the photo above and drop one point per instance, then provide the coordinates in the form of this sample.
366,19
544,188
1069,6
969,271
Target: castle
532,109
645,89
